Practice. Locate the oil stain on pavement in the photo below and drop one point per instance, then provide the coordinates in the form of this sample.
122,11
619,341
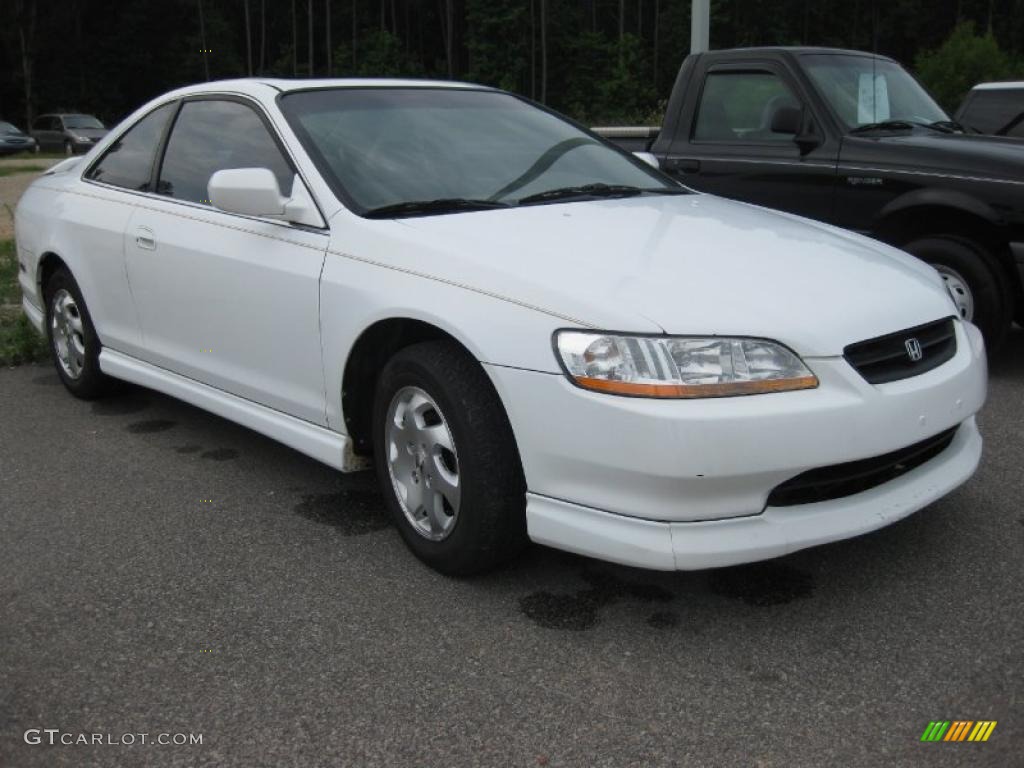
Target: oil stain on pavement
763,584
353,511
581,611
149,427
220,454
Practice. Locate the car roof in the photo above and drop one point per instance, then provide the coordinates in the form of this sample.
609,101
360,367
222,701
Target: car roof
263,85
1009,85
800,50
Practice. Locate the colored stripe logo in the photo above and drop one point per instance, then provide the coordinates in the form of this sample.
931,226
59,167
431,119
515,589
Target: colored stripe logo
958,730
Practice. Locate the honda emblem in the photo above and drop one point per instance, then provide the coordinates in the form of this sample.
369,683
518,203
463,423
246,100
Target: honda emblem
913,350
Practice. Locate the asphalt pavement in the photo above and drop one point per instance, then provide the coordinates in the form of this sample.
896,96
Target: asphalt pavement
163,571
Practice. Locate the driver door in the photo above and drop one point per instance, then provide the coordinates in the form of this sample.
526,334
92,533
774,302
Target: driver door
730,150
228,300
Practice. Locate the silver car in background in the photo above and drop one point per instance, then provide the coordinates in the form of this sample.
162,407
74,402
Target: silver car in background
71,134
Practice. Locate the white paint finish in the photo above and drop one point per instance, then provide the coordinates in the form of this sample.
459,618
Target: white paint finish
316,442
1004,86
280,307
692,265
34,314
230,301
776,532
677,460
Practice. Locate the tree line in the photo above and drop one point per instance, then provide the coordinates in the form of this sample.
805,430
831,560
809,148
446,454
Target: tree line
597,60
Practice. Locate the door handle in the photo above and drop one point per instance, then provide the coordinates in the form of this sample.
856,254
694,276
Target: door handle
145,239
683,164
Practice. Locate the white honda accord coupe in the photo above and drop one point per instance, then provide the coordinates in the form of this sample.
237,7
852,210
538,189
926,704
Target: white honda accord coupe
529,333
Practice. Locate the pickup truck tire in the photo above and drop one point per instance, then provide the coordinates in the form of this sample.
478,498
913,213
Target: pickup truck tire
447,460
966,265
72,338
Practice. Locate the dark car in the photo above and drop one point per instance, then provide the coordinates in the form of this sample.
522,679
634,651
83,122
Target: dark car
853,139
994,108
12,140
71,134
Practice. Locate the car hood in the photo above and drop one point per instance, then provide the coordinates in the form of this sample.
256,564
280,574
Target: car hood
997,157
91,133
690,264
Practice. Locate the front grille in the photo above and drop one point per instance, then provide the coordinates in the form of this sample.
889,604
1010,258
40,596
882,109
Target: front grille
887,358
839,480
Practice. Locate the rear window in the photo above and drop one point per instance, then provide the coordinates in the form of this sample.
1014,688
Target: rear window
995,111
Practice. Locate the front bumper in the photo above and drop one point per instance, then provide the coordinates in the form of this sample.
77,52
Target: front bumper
684,484
775,532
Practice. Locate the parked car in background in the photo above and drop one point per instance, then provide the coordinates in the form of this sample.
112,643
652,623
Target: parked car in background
528,332
994,108
852,139
70,134
12,140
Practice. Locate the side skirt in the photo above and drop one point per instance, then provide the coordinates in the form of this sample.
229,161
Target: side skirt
331,448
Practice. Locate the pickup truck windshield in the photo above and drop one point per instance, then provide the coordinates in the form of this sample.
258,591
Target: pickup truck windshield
863,90
389,148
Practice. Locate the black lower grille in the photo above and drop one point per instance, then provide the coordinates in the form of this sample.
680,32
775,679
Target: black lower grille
903,354
841,480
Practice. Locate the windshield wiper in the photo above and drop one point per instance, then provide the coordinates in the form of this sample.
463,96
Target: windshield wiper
595,190
885,125
950,126
440,205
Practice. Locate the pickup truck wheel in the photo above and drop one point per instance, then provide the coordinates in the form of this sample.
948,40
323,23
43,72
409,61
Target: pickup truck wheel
74,345
447,460
973,279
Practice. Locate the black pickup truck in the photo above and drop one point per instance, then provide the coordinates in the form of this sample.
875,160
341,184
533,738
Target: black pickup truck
854,140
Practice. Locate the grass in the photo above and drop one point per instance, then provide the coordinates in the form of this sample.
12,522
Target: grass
19,341
11,170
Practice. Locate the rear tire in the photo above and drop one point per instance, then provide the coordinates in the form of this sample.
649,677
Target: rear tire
975,278
74,345
441,435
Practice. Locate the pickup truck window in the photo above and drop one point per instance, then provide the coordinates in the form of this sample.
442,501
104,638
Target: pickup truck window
864,90
738,107
997,111
384,147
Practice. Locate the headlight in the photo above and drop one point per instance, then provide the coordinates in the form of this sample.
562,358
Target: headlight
680,366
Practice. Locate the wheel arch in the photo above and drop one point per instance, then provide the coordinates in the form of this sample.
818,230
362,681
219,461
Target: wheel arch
937,212
49,262
377,344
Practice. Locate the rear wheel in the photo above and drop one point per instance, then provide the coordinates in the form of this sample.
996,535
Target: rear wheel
447,460
974,280
74,345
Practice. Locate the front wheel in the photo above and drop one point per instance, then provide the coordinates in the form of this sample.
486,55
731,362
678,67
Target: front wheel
68,149
974,280
447,460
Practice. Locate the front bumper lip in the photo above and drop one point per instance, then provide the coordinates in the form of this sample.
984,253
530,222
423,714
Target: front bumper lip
775,532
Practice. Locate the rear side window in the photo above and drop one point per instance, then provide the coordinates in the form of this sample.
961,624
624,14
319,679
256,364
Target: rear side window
129,162
210,136
995,111
739,106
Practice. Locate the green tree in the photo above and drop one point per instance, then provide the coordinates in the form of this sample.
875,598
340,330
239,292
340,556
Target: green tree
964,60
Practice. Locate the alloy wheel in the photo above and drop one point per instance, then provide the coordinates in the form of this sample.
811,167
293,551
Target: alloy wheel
423,463
68,333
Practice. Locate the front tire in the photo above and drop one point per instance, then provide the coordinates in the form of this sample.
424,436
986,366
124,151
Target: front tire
975,281
447,461
74,345
69,150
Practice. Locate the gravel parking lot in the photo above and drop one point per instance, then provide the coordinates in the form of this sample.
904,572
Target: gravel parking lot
165,571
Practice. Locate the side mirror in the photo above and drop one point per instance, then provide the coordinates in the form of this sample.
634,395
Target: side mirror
648,158
254,192
787,120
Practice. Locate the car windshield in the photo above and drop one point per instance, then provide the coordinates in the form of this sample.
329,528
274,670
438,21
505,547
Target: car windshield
865,90
385,147
7,128
82,121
